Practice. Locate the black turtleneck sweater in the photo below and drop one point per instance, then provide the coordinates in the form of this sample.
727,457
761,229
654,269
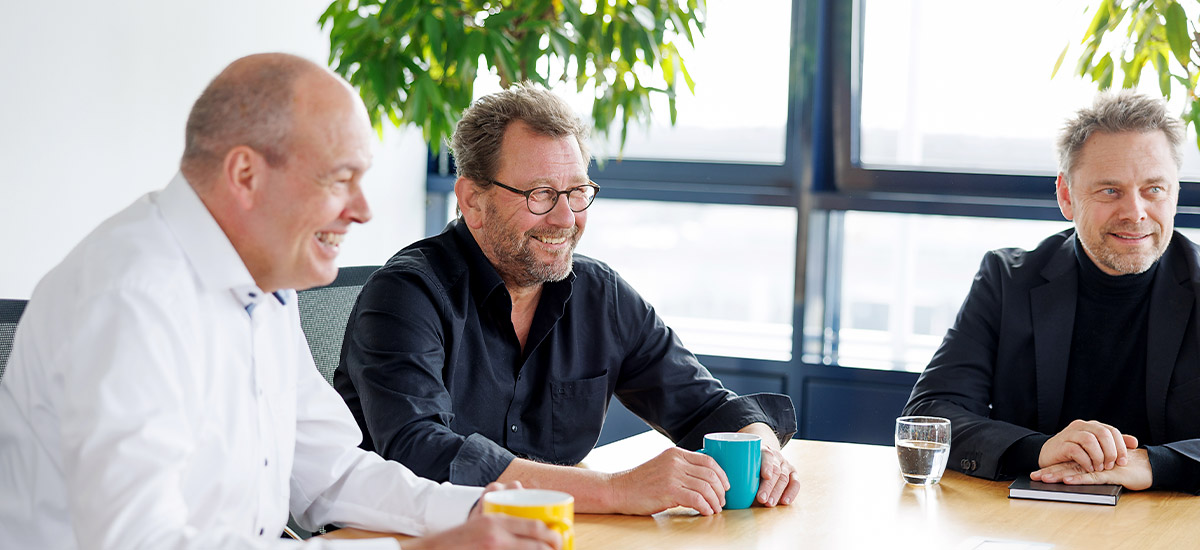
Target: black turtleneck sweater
1107,370
1106,374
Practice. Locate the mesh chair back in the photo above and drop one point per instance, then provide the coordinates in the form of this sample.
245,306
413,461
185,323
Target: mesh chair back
323,314
10,313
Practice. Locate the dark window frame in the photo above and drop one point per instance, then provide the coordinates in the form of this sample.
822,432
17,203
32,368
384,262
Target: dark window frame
821,175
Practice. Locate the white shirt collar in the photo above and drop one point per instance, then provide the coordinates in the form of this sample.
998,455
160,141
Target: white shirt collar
216,262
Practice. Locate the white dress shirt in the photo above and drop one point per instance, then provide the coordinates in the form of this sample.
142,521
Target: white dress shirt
156,398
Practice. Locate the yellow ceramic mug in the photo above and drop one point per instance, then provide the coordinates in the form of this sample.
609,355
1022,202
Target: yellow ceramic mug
556,509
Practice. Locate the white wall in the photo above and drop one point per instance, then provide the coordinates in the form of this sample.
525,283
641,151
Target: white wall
93,101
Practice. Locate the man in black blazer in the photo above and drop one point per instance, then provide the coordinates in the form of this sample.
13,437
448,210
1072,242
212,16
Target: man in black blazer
1079,361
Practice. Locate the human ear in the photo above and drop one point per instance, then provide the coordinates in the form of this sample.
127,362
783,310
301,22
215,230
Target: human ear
1062,191
243,173
470,201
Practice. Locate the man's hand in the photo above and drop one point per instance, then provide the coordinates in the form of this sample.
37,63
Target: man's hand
492,533
477,510
674,478
779,484
1093,446
497,532
1135,474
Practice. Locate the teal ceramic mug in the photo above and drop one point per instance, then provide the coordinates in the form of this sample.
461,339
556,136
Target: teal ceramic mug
740,455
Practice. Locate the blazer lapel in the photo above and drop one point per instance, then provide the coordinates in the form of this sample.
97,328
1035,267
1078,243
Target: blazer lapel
1171,299
1052,306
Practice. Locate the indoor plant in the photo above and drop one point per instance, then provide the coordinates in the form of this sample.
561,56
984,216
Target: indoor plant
1123,36
415,61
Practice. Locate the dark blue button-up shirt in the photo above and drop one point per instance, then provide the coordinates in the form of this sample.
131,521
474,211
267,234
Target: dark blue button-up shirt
437,380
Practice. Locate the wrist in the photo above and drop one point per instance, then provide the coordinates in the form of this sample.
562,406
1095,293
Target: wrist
608,494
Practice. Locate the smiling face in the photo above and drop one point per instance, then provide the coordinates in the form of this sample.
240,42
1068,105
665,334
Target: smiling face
302,212
528,249
1122,195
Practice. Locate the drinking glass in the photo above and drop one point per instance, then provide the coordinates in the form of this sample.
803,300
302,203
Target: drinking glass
922,446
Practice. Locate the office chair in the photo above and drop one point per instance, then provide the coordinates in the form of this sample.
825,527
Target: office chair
323,314
10,313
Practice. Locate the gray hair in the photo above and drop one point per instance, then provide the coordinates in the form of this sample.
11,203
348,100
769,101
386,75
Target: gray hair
249,103
1117,111
478,136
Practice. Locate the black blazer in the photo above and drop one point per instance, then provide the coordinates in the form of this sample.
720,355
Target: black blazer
1000,373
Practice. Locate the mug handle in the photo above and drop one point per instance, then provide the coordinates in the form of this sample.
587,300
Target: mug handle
558,525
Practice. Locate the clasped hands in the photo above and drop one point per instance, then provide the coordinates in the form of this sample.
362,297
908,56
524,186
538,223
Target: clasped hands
1088,452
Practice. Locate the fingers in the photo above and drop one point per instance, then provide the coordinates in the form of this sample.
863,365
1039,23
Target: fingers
1131,442
1094,445
770,478
531,533
676,477
500,486
1077,454
777,479
706,491
792,490
1056,472
706,461
1096,441
781,485
1121,453
1070,473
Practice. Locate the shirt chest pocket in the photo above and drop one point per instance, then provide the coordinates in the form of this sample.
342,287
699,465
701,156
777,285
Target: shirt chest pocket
578,414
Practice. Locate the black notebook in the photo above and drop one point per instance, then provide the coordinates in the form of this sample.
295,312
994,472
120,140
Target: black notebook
1024,487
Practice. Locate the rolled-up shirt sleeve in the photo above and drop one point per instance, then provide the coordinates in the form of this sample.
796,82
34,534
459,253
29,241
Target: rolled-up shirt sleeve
393,356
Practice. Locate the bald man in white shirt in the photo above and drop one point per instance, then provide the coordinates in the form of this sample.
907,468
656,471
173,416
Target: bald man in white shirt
160,393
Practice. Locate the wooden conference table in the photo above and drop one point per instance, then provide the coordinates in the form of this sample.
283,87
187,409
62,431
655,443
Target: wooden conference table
852,497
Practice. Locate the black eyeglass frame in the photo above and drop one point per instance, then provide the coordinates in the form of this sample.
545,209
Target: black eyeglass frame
595,191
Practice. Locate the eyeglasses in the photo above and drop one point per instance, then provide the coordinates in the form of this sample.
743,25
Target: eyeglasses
541,200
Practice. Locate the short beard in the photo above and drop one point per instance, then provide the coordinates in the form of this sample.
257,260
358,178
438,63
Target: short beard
515,262
1125,264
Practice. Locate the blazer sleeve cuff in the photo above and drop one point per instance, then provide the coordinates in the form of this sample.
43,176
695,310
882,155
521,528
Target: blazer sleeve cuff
1173,470
1021,457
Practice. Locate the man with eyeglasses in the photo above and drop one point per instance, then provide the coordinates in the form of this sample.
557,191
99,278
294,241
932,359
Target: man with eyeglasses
490,352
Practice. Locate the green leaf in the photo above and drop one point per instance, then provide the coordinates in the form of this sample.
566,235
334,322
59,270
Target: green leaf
1177,33
1085,59
500,20
644,16
415,61
1164,73
687,77
667,62
1103,73
415,110
1099,22
1133,71
1062,55
433,32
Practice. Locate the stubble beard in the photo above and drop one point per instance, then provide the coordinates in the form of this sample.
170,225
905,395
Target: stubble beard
516,261
1127,263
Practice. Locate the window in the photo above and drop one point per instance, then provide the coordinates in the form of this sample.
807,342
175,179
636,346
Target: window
903,278
722,276
739,110
965,86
